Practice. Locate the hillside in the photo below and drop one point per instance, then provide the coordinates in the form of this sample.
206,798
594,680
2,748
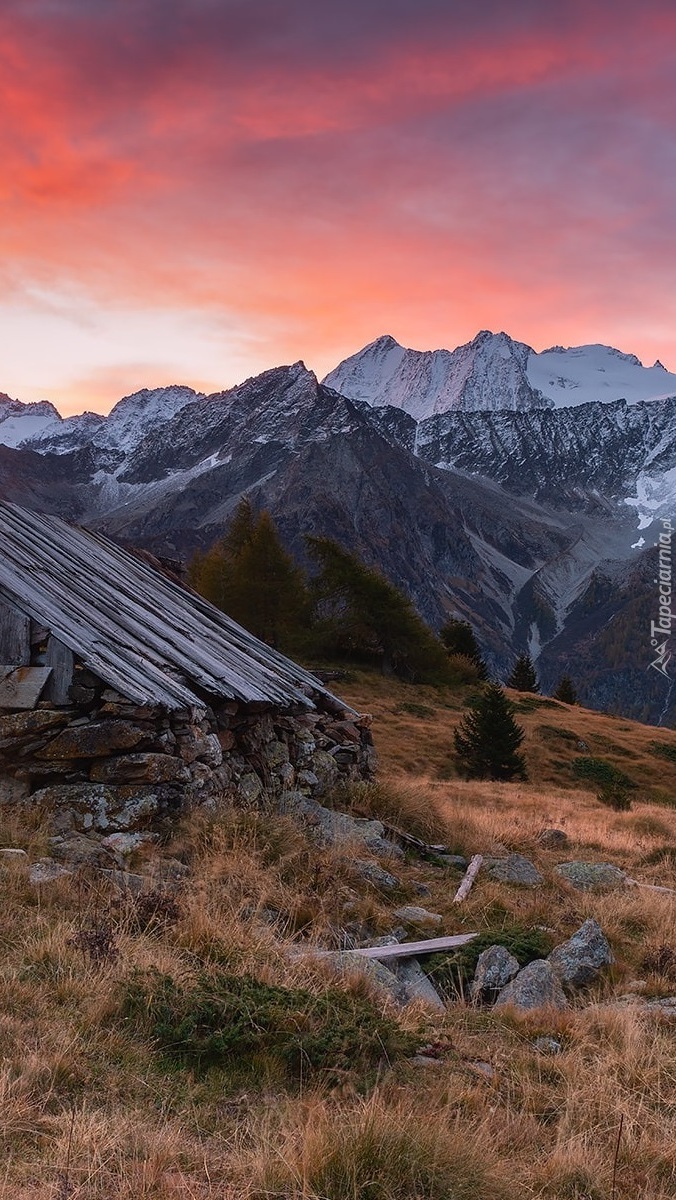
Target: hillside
179,1042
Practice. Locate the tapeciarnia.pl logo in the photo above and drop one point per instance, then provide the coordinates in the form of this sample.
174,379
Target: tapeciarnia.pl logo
660,630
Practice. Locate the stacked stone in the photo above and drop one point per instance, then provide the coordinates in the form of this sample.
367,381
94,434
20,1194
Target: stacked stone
103,764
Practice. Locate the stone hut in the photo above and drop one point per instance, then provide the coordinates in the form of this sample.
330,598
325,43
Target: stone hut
126,698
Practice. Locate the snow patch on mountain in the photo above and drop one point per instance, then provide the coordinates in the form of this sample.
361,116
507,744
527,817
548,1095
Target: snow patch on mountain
582,374
655,497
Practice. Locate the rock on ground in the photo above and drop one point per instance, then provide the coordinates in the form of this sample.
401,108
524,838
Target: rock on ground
587,876
404,984
410,973
411,914
45,870
373,873
495,968
337,828
514,869
553,839
579,960
536,986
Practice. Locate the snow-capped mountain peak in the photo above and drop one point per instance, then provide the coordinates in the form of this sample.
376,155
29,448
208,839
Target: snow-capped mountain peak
487,373
493,372
21,422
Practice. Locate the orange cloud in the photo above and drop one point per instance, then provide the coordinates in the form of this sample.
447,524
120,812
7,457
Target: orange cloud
317,182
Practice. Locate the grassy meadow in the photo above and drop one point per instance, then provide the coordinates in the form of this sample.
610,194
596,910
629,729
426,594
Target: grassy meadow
176,1044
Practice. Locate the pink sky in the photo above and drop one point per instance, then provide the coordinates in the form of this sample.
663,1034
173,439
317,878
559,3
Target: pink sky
195,190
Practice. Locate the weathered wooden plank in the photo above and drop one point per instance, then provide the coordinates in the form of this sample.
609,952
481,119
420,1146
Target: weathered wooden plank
60,659
15,636
415,949
468,879
23,688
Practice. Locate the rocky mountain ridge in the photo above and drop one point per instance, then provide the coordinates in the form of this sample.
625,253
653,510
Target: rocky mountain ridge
532,524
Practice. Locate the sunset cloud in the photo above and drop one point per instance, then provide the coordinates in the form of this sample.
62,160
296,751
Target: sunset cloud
223,186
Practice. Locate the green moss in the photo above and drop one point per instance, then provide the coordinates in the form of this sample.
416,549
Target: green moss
219,1020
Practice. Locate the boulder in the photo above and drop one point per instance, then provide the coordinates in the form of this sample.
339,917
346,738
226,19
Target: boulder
324,766
94,807
411,914
78,850
373,873
495,968
513,869
404,985
21,726
536,986
46,870
332,828
195,743
418,986
579,960
589,877
122,845
457,862
553,839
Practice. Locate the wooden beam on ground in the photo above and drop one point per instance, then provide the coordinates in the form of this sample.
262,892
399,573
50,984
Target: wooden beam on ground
414,949
468,878
652,887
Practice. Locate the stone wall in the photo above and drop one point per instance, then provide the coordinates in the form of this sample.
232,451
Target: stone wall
102,765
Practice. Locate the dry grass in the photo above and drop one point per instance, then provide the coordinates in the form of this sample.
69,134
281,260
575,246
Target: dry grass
422,744
89,1109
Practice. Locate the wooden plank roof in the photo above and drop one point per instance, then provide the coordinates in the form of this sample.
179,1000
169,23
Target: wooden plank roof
146,636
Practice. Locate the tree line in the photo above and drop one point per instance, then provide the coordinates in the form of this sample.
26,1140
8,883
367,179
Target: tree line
345,610
342,610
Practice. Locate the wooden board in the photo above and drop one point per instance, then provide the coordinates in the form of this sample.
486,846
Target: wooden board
414,949
15,636
22,688
60,659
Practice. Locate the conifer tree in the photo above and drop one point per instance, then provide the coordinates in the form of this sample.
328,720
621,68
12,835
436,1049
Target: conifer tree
523,677
565,690
458,638
250,576
360,614
267,592
487,739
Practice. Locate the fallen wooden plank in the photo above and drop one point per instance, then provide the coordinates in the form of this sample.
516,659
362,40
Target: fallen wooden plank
423,849
414,949
651,887
468,878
